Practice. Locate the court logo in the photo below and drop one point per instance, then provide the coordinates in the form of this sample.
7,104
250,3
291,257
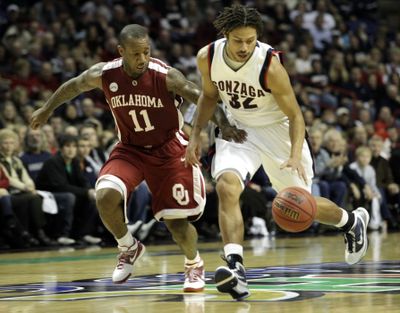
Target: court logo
286,283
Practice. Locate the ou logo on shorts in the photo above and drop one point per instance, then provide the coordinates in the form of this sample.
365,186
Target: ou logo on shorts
180,194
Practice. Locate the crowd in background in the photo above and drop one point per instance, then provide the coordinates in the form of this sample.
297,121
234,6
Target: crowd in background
344,64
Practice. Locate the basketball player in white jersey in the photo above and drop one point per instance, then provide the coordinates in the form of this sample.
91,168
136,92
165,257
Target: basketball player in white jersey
249,78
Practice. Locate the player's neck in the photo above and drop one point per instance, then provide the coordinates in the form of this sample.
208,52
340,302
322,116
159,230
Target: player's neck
230,61
130,73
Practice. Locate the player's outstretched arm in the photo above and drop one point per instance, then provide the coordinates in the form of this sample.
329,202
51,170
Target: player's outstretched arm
178,84
88,80
205,108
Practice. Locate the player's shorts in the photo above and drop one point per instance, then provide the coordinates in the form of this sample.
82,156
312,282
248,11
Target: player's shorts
177,191
268,146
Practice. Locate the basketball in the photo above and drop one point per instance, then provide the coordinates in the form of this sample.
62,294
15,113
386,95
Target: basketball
294,209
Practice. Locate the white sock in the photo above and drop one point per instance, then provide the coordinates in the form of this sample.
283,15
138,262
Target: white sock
233,248
344,219
127,242
197,259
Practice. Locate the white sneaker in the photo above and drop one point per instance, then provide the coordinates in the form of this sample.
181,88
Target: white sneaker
126,259
133,228
194,277
91,239
65,241
145,230
356,239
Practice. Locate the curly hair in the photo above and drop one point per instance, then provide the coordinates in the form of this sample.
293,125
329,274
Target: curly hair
238,16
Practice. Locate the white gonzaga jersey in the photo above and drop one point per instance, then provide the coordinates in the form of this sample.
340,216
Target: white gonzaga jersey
242,90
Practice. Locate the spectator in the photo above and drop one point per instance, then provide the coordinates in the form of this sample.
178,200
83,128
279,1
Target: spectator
384,121
303,60
326,183
359,137
317,77
388,189
34,157
371,191
62,173
85,161
52,144
321,9
97,156
338,73
344,120
256,203
89,110
24,198
36,152
9,115
322,37
12,233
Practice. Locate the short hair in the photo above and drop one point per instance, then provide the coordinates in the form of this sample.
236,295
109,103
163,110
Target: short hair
238,16
134,31
66,139
376,138
363,149
7,133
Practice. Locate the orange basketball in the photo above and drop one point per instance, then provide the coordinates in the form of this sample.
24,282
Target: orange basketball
294,209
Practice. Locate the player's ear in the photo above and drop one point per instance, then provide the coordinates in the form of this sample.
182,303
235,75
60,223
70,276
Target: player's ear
120,50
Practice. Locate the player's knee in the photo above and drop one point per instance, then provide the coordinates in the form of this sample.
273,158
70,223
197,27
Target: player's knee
107,200
228,186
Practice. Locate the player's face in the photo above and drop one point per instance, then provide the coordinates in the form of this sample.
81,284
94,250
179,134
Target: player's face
136,55
241,43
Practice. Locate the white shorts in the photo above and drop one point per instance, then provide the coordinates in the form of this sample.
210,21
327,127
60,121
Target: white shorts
268,146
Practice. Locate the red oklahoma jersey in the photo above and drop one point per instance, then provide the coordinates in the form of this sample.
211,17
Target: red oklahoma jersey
145,112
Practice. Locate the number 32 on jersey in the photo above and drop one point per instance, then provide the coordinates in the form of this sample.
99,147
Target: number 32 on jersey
237,104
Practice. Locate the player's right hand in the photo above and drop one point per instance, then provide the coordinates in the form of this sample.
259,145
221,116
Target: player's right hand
39,118
192,156
233,133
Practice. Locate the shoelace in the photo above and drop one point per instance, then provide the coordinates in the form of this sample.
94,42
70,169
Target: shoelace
350,239
193,272
239,271
124,257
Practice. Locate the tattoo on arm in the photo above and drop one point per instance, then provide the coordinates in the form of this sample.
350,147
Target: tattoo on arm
178,84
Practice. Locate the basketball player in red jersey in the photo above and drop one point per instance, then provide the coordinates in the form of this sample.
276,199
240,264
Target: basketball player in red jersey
143,93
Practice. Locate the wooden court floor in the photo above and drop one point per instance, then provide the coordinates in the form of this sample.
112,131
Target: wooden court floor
293,275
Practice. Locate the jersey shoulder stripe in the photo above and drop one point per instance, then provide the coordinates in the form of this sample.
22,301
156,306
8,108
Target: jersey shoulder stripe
210,55
112,64
264,70
158,66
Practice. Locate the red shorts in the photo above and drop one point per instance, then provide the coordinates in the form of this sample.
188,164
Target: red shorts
177,191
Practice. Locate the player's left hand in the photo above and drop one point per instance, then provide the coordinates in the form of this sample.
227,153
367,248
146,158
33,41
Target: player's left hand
192,156
230,132
296,166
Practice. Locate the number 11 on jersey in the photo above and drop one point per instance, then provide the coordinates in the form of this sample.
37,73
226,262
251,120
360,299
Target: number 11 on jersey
146,120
